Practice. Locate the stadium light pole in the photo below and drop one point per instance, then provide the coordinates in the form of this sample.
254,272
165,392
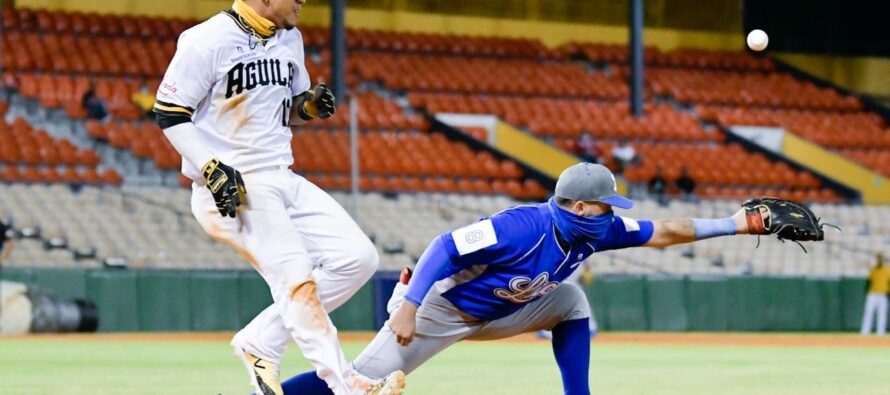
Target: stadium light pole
354,171
636,57
338,49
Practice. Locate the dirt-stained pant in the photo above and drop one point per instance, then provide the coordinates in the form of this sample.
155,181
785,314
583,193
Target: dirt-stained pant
309,251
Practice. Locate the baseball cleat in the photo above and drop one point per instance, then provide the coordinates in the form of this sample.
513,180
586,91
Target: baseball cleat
263,374
392,384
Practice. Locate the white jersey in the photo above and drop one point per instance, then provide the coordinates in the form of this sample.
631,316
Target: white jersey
238,91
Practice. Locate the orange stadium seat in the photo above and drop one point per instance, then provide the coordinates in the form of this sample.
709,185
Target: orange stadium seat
10,174
70,175
90,176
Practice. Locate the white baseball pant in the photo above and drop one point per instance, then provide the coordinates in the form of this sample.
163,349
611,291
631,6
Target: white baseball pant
875,304
309,251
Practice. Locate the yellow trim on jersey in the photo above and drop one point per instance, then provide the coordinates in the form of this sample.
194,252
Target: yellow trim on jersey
173,109
260,25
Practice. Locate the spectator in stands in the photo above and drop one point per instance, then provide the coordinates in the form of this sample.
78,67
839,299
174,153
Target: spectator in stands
588,149
877,288
144,98
93,105
624,155
658,186
10,82
686,184
5,235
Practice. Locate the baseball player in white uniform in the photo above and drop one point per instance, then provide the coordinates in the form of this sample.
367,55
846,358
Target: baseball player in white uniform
229,98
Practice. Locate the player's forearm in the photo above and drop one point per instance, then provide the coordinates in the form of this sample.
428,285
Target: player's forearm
434,265
185,139
686,230
671,231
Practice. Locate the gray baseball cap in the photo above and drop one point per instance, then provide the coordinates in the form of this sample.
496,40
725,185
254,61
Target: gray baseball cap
591,182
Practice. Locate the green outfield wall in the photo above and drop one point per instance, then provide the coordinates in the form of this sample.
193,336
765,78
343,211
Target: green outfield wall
181,300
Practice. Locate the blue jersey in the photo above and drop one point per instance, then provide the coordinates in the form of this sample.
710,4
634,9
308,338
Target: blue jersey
513,258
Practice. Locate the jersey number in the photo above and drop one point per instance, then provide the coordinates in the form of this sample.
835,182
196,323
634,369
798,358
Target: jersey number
285,111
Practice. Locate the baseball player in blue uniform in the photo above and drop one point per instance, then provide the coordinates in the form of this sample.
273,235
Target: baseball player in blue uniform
502,276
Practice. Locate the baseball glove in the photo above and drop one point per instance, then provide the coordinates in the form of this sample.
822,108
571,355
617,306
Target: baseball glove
785,219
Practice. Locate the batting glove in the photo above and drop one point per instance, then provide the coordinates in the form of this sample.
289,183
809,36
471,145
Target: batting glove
226,185
318,102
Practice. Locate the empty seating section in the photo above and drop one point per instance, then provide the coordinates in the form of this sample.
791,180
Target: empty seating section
682,57
745,88
665,137
77,23
67,53
486,75
458,45
861,136
396,154
409,161
561,118
117,223
33,156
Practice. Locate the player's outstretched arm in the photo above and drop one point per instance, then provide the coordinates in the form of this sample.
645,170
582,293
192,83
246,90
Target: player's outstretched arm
785,219
685,230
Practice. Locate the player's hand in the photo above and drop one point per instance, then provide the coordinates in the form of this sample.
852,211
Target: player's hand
403,323
226,185
319,102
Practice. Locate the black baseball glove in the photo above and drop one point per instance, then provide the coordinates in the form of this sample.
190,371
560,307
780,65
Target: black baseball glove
785,219
226,185
318,102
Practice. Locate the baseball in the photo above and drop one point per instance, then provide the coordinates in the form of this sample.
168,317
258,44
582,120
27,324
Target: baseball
757,40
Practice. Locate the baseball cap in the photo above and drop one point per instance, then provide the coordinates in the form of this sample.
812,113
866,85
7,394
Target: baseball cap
590,182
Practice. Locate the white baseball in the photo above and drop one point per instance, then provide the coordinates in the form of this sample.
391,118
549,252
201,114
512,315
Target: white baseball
757,40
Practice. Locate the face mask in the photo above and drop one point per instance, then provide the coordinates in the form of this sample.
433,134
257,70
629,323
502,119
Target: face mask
578,229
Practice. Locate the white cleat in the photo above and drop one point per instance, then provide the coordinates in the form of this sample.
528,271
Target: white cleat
263,374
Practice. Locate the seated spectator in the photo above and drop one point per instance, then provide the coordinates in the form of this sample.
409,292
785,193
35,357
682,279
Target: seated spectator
6,235
144,98
9,81
93,105
686,184
624,155
588,149
658,186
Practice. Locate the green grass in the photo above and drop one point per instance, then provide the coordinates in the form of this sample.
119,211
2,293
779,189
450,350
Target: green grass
47,366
